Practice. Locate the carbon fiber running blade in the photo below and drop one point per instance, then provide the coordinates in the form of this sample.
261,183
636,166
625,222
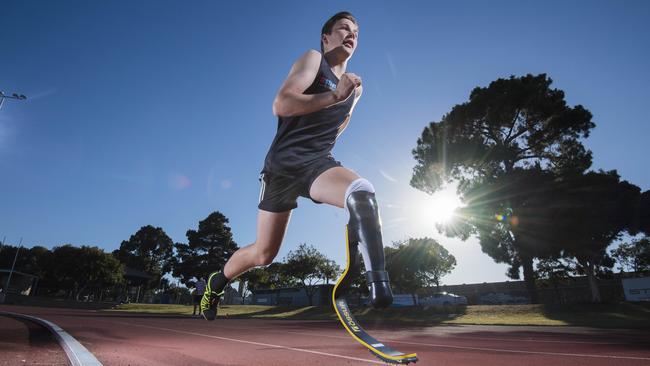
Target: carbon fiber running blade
350,323
401,361
377,348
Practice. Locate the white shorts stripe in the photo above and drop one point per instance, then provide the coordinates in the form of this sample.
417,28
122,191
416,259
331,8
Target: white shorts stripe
262,188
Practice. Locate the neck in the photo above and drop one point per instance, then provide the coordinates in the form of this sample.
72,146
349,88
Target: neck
338,61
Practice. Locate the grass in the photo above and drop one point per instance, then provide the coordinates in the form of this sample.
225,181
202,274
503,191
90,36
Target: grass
619,315
506,315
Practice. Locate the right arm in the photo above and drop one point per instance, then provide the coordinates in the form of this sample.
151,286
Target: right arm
290,100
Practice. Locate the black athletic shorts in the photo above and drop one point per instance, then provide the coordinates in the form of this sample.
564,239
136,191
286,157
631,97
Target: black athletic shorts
280,191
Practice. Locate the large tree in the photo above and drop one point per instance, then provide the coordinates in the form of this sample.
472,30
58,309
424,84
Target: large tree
207,250
149,250
597,208
513,125
309,267
97,271
554,272
30,260
78,269
253,279
330,270
513,218
62,273
417,263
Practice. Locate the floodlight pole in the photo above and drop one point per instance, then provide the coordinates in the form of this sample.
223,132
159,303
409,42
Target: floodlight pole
2,292
4,96
13,266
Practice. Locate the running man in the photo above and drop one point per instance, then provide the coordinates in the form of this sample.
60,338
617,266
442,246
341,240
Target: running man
313,105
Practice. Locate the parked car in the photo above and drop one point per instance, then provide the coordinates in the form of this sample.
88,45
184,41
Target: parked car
443,299
399,300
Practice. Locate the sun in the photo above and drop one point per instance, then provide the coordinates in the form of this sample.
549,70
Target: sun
439,207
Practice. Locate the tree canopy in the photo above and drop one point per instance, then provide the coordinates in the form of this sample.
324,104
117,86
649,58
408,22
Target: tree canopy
75,269
597,208
149,250
500,147
309,267
633,256
417,263
515,122
207,250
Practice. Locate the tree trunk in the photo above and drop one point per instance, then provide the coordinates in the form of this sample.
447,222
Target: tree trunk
593,284
310,292
558,294
79,291
415,301
529,279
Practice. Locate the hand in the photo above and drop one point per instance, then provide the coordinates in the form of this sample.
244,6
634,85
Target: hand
346,86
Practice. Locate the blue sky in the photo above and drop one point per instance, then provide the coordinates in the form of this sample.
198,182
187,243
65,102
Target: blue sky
159,112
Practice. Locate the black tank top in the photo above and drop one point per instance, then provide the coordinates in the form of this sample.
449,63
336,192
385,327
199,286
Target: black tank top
303,140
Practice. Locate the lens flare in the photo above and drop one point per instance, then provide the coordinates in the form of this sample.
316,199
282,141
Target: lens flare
514,221
180,182
440,207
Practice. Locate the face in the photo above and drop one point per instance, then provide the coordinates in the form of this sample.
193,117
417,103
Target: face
344,37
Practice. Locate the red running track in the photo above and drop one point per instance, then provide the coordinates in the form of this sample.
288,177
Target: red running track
23,342
118,338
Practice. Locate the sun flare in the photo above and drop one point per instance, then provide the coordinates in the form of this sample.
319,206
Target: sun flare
439,207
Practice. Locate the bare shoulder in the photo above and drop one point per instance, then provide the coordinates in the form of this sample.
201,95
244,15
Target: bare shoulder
303,72
309,59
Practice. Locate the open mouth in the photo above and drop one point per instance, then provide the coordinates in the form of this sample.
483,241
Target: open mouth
348,43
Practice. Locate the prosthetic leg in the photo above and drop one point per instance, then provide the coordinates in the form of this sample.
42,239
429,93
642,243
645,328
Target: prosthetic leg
364,229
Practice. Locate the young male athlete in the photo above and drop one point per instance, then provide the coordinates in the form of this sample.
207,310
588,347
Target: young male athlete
313,105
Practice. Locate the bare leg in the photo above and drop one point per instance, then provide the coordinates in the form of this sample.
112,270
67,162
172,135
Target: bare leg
331,185
271,227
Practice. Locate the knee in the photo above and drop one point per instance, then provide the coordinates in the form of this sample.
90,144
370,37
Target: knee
362,205
360,192
264,256
361,184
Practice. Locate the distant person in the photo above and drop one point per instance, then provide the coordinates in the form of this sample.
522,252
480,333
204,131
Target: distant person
199,290
314,106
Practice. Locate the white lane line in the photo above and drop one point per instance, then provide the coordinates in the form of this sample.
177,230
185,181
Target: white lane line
471,337
255,343
489,349
526,340
77,354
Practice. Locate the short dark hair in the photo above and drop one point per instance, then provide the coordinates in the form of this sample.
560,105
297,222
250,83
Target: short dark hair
327,27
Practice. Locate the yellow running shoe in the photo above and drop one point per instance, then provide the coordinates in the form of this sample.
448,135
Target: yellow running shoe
210,300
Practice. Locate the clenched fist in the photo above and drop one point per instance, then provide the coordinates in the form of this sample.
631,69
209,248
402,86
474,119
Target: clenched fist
346,86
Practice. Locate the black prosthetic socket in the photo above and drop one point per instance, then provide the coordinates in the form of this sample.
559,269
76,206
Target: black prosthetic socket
365,227
379,285
218,282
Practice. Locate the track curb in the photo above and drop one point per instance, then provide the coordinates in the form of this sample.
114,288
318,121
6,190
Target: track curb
78,355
